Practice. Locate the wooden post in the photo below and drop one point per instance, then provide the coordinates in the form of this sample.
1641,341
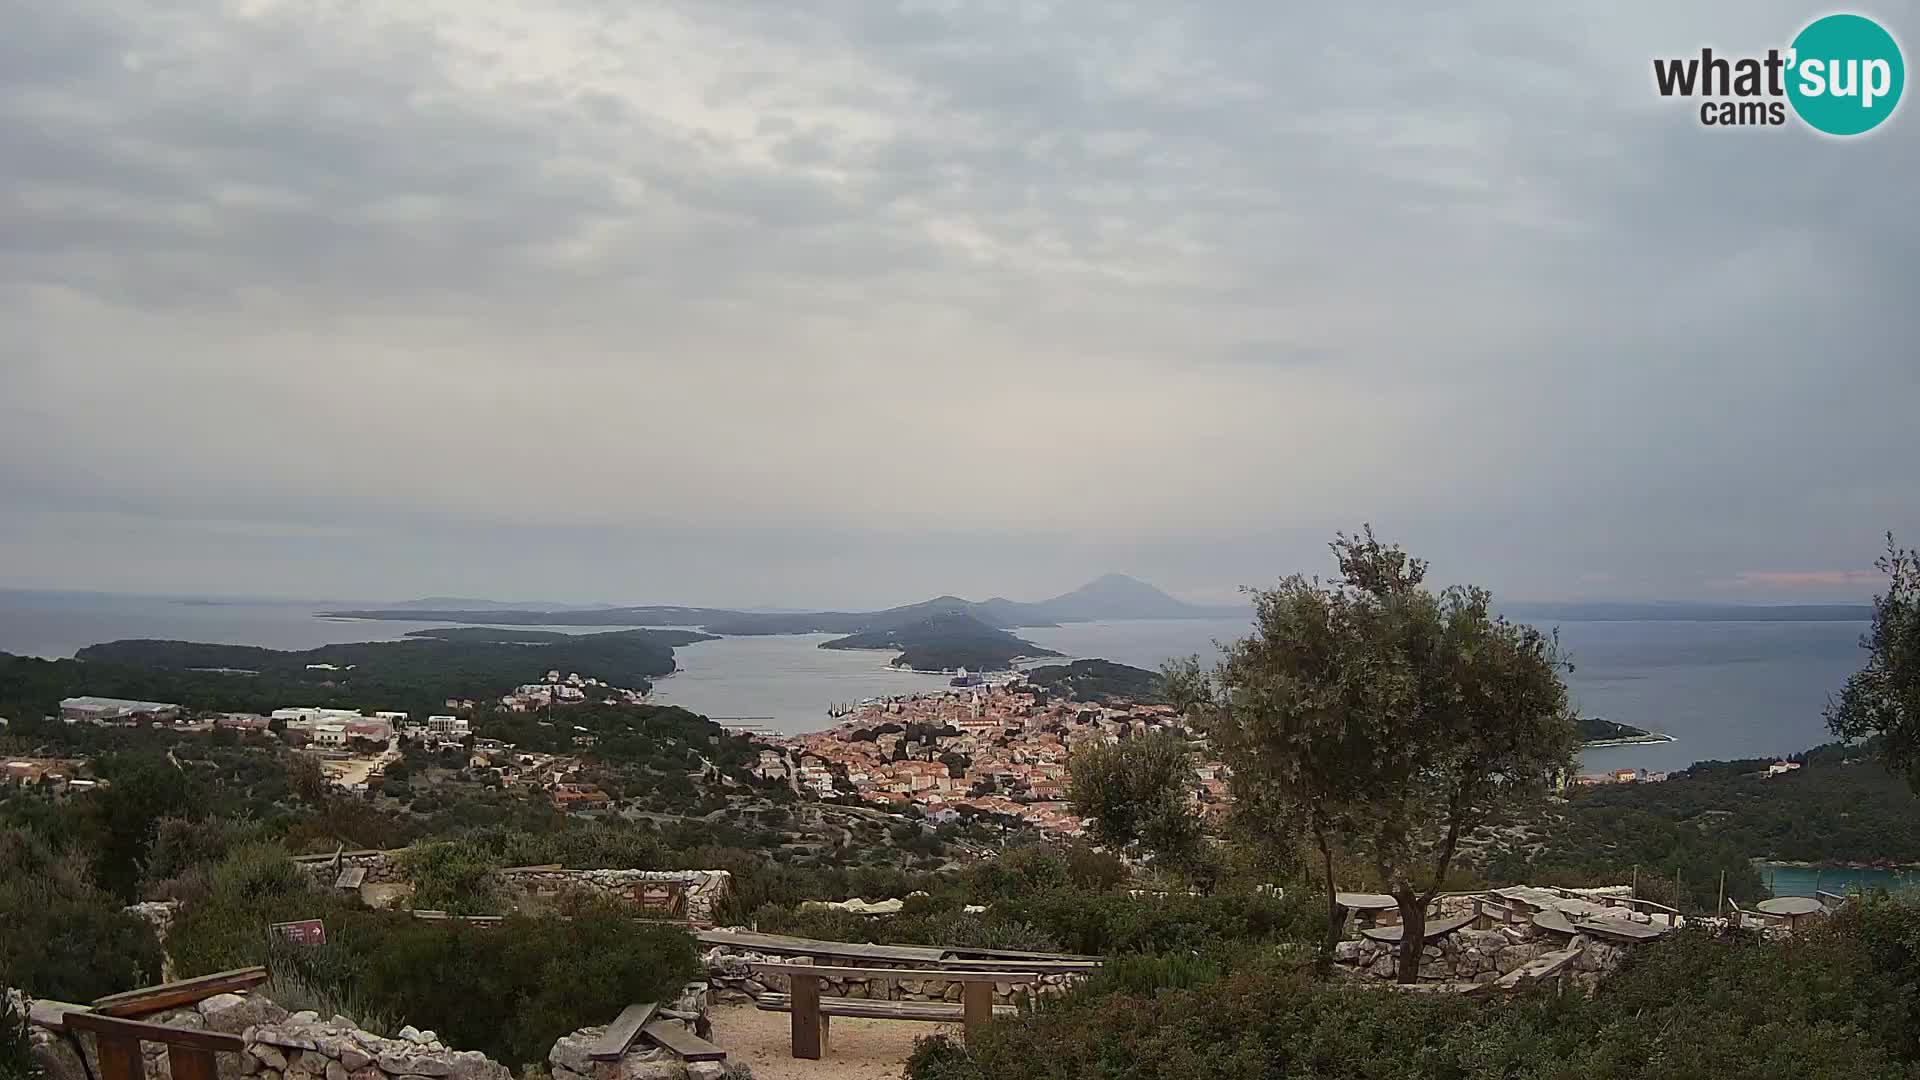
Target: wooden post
191,1063
809,1027
1636,880
119,1057
976,1006
1720,905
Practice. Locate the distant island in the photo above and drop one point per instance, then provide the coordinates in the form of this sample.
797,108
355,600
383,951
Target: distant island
1113,596
418,672
1597,732
945,641
1097,681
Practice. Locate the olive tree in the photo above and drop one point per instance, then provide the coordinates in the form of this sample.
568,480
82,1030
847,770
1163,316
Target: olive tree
1384,719
1138,793
1883,698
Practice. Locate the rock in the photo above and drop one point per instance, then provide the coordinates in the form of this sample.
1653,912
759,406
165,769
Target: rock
706,1070
411,1034
1348,952
269,1055
305,1016
474,1065
570,1052
416,1065
354,1058
336,1071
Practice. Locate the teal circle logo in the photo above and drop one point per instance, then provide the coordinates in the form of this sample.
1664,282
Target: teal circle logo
1845,74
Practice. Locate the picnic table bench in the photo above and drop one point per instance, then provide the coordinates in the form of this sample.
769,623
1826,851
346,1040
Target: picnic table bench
811,1012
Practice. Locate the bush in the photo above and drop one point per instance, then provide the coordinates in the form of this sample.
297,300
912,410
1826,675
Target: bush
513,989
939,1057
254,886
1145,973
453,876
1826,1005
63,937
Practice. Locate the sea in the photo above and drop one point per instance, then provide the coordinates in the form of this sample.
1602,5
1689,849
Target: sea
1720,689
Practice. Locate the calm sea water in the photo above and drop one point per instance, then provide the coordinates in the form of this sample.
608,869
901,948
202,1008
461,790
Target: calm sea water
1722,689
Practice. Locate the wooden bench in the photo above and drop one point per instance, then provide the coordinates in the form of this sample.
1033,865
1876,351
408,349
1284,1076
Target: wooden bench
811,1012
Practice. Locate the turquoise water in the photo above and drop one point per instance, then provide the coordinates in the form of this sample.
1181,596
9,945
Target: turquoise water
1803,880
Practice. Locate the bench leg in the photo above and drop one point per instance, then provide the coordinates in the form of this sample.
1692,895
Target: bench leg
809,1027
976,1006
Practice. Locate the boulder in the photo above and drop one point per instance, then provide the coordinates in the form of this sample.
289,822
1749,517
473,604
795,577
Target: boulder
570,1051
233,1014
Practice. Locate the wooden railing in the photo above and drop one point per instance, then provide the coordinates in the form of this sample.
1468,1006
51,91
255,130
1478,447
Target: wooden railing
189,1050
117,1038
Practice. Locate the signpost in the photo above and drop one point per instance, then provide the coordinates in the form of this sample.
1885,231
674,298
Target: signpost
302,932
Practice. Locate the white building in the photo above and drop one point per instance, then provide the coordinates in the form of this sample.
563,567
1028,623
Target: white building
329,733
307,717
455,726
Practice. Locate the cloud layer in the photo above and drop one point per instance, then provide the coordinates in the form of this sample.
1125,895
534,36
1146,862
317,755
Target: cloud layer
737,302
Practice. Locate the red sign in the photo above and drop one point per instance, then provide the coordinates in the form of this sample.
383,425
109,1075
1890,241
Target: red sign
303,932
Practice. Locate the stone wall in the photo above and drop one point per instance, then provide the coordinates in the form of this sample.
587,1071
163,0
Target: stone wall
1480,956
283,1046
730,972
702,889
382,867
568,1059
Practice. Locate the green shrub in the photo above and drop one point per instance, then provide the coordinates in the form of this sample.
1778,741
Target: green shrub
1828,1004
513,989
940,1057
61,937
453,875
254,886
1145,973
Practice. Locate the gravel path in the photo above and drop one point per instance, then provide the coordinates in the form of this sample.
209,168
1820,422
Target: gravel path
857,1049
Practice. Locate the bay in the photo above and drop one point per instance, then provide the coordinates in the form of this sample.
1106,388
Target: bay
1722,689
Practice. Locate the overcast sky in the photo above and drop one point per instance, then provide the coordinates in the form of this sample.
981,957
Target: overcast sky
844,303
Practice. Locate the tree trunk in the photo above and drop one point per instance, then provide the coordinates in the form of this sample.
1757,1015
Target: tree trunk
1336,915
1413,934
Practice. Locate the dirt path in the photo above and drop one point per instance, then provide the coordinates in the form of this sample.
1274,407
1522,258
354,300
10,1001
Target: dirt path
858,1049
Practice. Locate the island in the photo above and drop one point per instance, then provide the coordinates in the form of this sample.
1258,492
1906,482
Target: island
1597,732
418,673
945,641
1096,682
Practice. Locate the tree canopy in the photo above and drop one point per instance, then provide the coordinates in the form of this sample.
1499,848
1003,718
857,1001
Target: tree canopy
1883,698
1385,718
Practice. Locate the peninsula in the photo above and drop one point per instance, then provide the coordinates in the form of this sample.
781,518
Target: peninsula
1597,732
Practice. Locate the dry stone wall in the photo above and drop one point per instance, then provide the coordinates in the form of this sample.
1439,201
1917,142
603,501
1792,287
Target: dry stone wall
731,974
283,1046
703,889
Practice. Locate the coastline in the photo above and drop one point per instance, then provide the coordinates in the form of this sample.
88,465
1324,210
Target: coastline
1651,738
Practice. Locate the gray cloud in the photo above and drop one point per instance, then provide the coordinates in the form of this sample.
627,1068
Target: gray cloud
849,303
